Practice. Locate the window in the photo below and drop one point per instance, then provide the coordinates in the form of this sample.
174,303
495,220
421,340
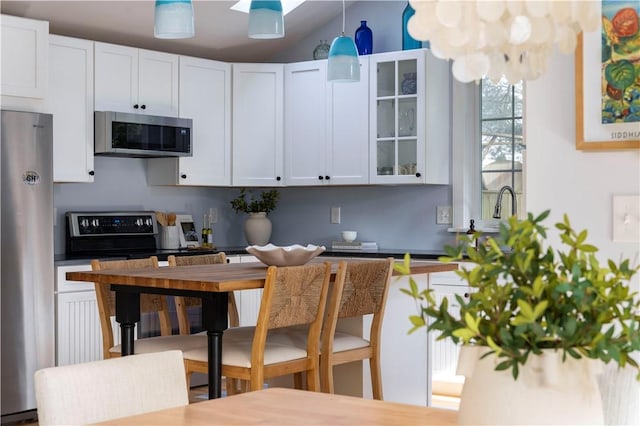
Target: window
502,146
488,151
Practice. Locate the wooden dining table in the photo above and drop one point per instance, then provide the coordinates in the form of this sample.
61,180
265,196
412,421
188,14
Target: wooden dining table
211,283
279,406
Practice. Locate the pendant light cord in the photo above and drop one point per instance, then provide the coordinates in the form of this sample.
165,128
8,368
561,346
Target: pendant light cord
342,17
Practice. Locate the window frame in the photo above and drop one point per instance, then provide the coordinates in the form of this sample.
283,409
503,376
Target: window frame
466,158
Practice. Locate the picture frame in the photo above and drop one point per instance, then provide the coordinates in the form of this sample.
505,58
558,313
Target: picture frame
591,133
187,231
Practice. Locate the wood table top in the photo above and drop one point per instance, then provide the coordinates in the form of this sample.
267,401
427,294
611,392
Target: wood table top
279,406
217,277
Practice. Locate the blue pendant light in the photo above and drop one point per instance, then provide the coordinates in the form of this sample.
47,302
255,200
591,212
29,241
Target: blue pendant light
173,19
343,65
266,19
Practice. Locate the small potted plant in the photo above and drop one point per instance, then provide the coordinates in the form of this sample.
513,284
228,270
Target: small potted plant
537,325
257,227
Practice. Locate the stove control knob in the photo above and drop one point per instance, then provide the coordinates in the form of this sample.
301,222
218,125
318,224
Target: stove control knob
95,222
139,222
148,221
84,223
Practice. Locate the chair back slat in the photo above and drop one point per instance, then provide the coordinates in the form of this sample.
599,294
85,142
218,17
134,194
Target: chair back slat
183,303
107,301
296,292
365,288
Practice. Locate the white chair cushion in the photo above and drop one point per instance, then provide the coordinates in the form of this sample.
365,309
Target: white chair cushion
105,390
345,341
166,343
297,336
236,350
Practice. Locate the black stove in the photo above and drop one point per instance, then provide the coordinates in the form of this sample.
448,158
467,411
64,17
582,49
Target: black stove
122,234
129,235
106,234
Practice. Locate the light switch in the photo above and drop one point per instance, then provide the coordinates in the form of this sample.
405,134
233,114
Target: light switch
626,218
335,214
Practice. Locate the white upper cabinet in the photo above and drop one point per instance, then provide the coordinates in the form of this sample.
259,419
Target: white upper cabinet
205,97
70,100
305,119
24,50
135,80
257,156
409,118
348,130
326,126
24,57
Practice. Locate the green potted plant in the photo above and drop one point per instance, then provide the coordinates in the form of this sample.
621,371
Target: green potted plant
533,315
257,227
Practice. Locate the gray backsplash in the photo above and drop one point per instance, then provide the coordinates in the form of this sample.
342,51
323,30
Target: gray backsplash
393,216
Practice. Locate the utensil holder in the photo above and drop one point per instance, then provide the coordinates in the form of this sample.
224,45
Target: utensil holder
169,237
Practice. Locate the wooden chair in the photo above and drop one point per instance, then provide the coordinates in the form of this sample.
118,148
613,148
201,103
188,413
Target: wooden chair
148,303
184,303
362,290
108,389
292,296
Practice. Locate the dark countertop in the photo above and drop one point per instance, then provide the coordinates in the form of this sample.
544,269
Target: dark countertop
61,259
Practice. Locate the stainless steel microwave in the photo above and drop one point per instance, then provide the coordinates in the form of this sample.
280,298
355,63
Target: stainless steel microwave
122,134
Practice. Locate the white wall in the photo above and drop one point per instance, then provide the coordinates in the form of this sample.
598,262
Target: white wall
384,18
582,185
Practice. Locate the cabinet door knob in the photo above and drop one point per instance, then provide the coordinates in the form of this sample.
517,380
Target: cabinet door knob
418,174
183,176
320,177
91,173
278,178
136,106
327,177
143,106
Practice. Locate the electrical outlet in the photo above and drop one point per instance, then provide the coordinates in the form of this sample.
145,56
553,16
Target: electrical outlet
443,215
213,215
335,214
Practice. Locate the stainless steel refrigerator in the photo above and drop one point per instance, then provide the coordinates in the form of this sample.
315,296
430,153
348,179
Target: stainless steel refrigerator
26,267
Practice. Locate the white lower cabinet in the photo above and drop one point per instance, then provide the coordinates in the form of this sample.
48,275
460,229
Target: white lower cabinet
78,333
248,301
403,356
443,354
411,362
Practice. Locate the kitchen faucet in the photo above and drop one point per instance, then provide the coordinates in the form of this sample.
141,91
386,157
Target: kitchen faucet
497,209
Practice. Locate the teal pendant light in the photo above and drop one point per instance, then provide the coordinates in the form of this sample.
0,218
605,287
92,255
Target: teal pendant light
265,19
173,19
343,65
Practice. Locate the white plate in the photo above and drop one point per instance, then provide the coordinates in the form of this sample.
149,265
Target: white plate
294,255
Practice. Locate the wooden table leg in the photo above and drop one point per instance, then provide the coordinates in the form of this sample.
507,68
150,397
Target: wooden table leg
214,320
127,315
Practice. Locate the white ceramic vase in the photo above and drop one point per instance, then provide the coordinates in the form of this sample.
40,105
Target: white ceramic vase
257,229
548,391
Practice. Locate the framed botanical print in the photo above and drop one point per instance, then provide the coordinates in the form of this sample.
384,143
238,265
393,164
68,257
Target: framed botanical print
608,80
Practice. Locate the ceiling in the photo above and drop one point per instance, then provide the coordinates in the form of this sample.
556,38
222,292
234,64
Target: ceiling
221,33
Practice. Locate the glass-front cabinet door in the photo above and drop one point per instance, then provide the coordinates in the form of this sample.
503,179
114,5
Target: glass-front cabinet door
398,96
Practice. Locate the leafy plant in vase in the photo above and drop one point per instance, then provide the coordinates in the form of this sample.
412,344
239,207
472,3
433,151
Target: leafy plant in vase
257,228
537,326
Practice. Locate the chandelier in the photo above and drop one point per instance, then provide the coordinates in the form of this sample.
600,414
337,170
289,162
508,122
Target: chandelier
495,38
